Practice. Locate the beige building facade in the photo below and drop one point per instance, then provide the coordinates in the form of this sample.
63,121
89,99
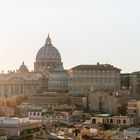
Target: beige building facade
18,83
103,102
133,108
122,121
84,78
50,99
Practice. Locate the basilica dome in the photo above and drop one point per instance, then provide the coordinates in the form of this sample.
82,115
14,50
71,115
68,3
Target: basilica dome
48,58
48,53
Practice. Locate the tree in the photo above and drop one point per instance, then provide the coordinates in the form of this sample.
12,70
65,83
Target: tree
13,102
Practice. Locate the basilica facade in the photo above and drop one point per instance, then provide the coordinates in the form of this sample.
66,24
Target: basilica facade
49,76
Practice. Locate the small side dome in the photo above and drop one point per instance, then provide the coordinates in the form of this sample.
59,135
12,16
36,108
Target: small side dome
23,68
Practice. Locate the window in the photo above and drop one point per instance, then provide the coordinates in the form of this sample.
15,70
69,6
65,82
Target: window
124,121
134,105
93,120
111,120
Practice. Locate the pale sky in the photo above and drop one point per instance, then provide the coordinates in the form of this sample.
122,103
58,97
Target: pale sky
84,32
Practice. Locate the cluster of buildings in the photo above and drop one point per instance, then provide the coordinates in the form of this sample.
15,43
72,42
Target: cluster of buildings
50,76
18,128
99,94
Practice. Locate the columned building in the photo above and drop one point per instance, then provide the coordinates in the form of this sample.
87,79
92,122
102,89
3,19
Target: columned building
21,82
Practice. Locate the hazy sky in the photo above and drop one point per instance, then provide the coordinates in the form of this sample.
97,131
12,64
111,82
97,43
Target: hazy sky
84,31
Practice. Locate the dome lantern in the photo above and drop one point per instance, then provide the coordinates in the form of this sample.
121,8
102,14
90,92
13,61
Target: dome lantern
48,40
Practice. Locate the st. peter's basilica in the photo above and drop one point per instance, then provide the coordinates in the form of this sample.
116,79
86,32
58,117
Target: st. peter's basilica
48,75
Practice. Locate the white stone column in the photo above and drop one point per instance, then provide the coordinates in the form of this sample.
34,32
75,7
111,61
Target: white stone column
23,89
2,92
14,91
9,91
19,90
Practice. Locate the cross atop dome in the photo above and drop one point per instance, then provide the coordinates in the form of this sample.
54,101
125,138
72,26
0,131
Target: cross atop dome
48,40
